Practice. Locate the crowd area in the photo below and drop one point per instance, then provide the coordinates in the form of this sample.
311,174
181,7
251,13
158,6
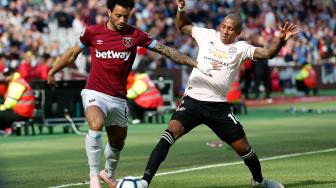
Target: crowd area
33,33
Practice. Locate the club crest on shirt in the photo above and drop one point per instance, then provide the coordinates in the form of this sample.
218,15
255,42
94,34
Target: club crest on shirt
233,50
128,41
100,41
82,33
219,53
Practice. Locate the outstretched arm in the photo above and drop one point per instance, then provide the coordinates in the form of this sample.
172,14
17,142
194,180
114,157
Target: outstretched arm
286,32
65,60
174,55
182,22
183,59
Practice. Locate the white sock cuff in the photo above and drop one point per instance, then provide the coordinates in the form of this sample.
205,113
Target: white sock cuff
167,135
248,155
144,183
95,134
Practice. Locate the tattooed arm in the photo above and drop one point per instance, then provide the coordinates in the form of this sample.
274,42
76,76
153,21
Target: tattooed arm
174,55
286,31
183,59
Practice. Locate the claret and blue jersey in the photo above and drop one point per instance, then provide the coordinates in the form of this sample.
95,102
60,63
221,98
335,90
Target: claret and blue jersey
112,56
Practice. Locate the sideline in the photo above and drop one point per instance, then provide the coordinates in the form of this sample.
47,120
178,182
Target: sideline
217,165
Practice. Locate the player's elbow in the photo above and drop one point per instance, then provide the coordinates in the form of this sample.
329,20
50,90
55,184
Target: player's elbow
179,26
271,56
268,55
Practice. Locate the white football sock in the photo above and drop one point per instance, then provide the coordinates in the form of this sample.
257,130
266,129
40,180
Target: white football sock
93,146
112,158
144,183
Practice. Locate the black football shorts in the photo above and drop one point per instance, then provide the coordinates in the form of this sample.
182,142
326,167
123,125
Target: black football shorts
217,116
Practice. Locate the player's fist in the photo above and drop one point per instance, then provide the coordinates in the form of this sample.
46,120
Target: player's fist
51,79
180,4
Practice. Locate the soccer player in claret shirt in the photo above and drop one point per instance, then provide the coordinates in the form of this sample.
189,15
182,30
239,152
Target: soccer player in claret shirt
113,48
205,98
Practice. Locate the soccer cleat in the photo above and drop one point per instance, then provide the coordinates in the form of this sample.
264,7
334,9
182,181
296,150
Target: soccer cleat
267,184
110,182
94,182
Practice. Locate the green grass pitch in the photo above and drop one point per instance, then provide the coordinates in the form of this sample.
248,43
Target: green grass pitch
59,159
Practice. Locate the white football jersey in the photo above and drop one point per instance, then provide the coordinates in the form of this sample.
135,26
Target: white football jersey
211,49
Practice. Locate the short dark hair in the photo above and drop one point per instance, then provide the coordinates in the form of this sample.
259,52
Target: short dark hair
8,70
237,19
124,3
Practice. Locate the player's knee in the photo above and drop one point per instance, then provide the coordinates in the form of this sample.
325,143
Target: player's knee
244,149
95,125
241,146
176,129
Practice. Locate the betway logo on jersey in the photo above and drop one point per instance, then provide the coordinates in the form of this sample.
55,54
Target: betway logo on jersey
110,54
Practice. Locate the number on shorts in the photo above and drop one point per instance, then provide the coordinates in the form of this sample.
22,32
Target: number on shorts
235,121
126,113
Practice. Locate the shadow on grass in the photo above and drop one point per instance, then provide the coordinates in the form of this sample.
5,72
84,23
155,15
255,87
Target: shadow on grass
309,182
297,184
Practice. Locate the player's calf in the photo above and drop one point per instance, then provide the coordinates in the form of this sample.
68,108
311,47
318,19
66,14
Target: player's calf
94,182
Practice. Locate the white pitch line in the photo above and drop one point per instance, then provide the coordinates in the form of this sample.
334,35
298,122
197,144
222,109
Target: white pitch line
219,165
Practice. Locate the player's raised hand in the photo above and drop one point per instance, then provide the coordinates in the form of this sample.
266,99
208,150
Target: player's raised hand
180,4
51,80
288,30
206,67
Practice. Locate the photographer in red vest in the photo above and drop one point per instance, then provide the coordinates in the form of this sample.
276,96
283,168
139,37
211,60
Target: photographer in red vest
306,80
18,100
142,95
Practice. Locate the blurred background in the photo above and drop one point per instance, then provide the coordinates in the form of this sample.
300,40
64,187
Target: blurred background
287,104
33,33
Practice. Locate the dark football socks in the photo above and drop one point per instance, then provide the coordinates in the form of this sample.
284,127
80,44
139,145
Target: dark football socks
158,155
252,162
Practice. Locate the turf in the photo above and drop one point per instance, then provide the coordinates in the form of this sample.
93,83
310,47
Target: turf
54,160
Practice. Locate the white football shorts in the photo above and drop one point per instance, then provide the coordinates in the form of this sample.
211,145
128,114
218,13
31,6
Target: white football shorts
115,109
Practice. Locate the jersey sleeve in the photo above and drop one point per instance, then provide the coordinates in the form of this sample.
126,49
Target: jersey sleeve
84,39
146,40
199,33
248,51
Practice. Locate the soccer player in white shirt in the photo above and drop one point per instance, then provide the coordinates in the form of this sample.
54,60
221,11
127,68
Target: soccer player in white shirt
205,97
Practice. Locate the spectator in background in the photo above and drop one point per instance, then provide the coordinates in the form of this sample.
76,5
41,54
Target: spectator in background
42,68
35,25
247,75
19,99
142,95
25,68
262,74
3,84
275,80
306,80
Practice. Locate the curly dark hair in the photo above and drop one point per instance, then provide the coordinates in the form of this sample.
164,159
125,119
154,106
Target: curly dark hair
124,3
